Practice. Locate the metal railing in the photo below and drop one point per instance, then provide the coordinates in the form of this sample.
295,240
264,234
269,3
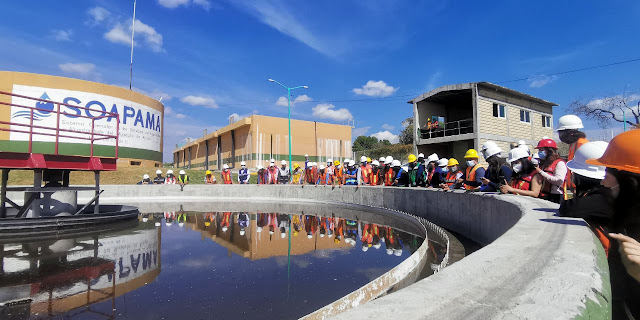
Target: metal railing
60,132
447,129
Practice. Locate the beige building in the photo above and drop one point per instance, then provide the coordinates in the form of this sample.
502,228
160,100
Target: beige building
257,139
470,114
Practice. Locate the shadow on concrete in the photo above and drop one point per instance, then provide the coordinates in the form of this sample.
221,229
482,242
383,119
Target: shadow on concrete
565,221
546,210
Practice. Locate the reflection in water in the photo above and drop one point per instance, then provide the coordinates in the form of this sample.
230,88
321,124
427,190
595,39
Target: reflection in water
222,265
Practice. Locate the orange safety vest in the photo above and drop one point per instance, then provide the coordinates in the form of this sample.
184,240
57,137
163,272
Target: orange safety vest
546,186
323,178
366,172
388,177
273,175
210,179
226,176
451,178
568,183
471,176
524,183
338,173
373,178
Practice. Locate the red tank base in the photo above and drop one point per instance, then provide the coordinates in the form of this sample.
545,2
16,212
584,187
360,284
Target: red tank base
15,160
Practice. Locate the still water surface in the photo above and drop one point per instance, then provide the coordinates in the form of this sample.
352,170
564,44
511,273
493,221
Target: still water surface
189,265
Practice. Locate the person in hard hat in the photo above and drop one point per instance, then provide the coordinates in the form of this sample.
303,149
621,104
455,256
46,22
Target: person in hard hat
401,176
338,173
569,133
243,222
364,172
552,169
159,179
523,144
498,172
591,200
432,169
525,181
262,174
374,178
307,163
183,179
330,170
272,172
171,178
145,180
243,173
309,174
209,178
389,174
421,172
421,158
322,176
622,160
453,180
284,174
414,179
381,168
296,175
226,175
474,172
443,164
351,175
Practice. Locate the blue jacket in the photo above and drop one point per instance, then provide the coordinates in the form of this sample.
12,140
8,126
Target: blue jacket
243,176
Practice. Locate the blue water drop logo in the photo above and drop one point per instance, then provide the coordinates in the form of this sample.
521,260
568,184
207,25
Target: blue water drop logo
37,114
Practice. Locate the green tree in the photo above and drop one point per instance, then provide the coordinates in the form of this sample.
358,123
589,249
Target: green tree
364,143
406,135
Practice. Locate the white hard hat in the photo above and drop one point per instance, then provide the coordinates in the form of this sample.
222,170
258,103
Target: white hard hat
365,248
224,229
346,161
397,252
225,166
157,224
169,171
421,155
260,167
182,172
243,163
330,160
271,232
314,164
389,251
443,162
589,150
306,155
363,159
377,245
242,232
321,167
488,144
309,236
145,219
272,160
396,163
569,121
283,235
433,158
180,224
381,160
158,171
388,160
492,150
375,163
522,143
352,163
259,229
283,163
146,176
517,154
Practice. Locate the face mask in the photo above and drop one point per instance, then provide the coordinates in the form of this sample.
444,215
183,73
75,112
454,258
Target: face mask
542,154
454,168
471,163
517,167
445,169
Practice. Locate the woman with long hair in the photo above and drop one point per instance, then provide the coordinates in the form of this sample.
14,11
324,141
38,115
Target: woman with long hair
622,159
498,171
526,181
552,169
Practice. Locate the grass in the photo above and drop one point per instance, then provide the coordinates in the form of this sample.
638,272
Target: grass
125,175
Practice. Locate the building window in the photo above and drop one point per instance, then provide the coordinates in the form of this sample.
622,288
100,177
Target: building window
498,110
135,163
546,121
525,116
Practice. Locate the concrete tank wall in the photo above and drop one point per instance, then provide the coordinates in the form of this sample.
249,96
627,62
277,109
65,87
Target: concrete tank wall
533,265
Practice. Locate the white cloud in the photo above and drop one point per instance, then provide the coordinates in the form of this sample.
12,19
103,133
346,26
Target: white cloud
329,111
235,117
356,132
98,15
388,127
78,69
206,102
433,80
375,89
172,4
157,94
540,81
386,135
180,115
121,33
62,35
282,101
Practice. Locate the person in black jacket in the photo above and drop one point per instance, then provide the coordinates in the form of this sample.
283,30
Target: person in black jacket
498,171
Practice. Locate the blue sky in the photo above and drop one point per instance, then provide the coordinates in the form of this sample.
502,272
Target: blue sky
361,59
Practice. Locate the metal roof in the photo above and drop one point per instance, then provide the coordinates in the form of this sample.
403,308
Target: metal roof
470,85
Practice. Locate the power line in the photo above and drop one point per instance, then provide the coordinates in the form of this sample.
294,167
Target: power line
403,97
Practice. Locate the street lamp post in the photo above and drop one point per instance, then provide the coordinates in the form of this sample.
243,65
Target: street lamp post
289,103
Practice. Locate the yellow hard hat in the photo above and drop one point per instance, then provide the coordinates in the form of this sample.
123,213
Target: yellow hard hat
208,172
207,223
453,162
471,154
336,163
412,158
368,160
296,165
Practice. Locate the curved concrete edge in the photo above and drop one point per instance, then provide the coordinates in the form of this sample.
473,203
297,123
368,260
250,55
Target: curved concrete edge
534,265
